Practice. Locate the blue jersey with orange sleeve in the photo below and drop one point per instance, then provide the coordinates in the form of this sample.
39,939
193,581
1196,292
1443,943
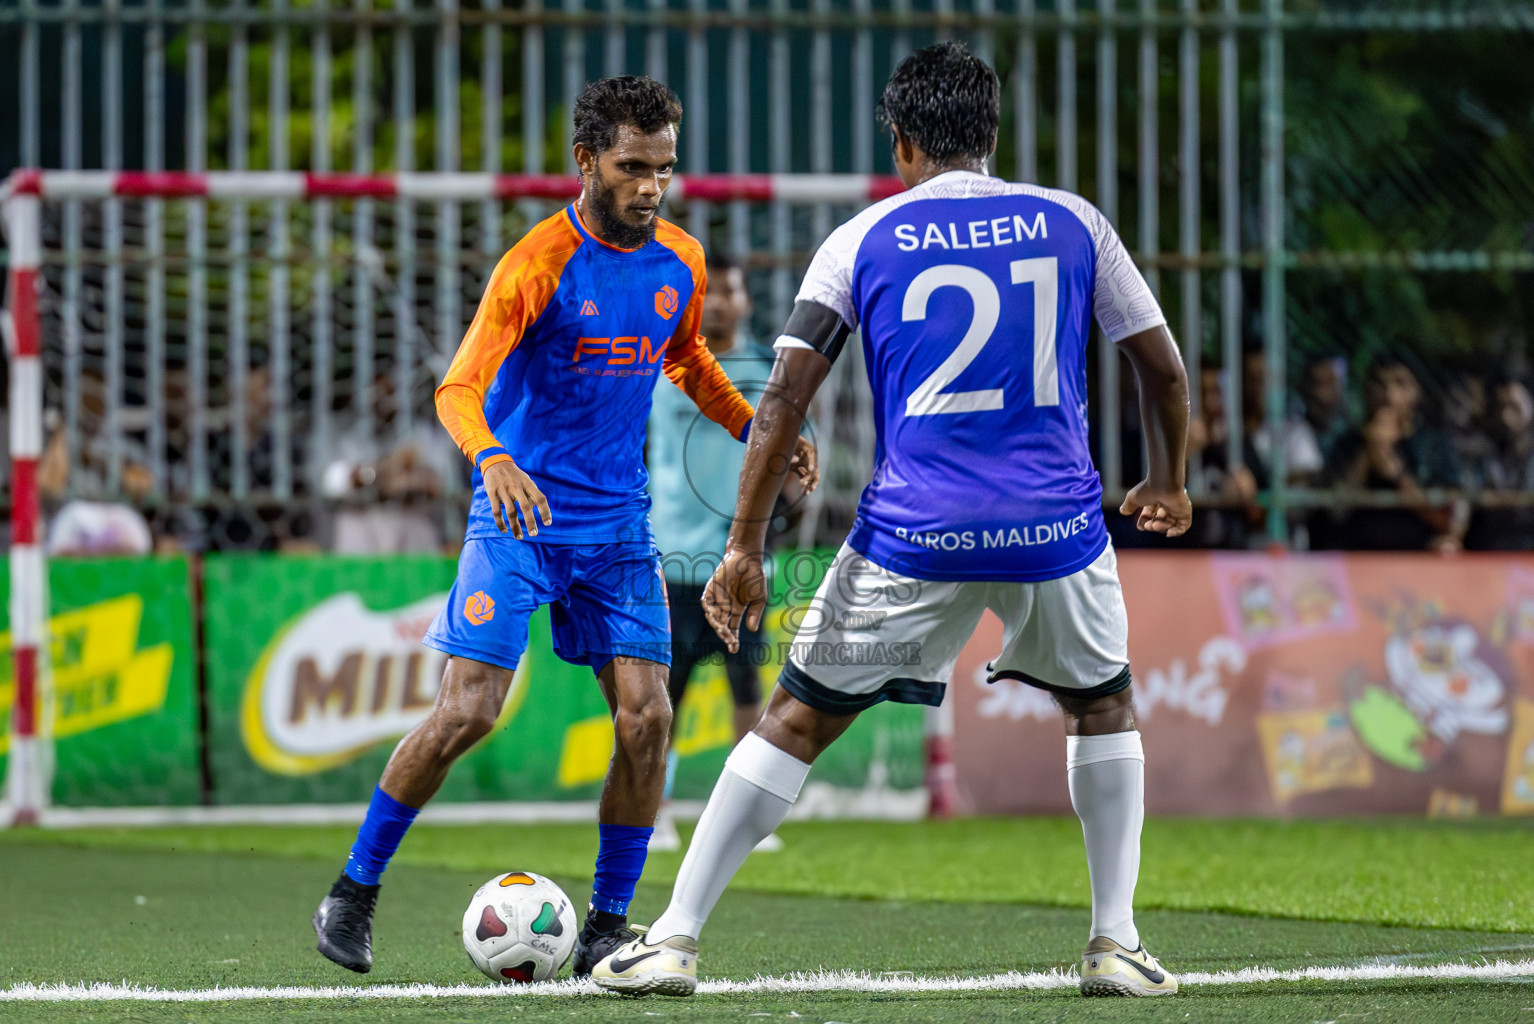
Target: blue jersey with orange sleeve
559,366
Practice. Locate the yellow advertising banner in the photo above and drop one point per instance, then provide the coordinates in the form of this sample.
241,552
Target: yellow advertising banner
100,676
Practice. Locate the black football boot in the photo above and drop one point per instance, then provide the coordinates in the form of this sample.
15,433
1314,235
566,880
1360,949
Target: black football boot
344,924
595,944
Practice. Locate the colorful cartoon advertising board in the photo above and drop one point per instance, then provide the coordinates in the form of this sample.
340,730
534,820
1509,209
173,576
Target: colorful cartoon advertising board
1293,685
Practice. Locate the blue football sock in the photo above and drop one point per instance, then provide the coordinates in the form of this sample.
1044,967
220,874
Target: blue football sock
672,757
379,837
621,851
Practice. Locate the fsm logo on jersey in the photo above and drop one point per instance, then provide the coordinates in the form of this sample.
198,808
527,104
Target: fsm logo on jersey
636,351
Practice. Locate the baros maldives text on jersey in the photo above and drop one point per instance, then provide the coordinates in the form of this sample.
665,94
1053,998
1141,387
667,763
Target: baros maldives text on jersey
560,365
975,297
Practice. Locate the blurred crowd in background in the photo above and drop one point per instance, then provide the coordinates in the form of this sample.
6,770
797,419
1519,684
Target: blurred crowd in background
1393,457
377,490
1402,459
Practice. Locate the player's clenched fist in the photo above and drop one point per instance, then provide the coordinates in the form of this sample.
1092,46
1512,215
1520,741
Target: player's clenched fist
508,487
806,463
1164,510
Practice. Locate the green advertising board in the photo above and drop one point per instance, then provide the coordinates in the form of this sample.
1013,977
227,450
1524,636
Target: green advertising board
314,669
123,714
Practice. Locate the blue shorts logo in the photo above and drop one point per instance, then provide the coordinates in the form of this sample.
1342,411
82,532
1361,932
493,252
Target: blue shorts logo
479,608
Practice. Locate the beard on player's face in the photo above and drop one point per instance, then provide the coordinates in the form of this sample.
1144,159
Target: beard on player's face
606,204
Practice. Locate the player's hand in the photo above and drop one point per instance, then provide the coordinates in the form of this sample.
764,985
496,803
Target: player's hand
738,587
508,487
806,463
1163,510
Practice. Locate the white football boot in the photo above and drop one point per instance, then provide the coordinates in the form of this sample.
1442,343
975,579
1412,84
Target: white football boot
1108,969
667,968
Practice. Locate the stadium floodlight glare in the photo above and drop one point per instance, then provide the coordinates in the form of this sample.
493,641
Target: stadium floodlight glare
26,796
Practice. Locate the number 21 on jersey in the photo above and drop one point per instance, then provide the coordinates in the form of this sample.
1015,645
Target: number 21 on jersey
929,398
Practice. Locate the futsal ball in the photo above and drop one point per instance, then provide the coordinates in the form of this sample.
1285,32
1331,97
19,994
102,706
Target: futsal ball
519,927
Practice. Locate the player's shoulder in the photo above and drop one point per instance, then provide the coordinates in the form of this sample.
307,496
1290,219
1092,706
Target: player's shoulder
964,185
544,250
1083,209
687,248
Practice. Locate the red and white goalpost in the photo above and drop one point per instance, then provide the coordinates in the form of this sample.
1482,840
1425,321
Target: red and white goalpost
27,784
27,778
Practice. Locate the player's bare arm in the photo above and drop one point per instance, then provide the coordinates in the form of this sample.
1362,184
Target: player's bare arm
1160,501
509,489
738,587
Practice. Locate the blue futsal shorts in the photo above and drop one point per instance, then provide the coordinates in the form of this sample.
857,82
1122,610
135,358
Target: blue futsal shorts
604,600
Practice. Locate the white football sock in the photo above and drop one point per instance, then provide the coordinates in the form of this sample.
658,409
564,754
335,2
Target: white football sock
758,786
1107,779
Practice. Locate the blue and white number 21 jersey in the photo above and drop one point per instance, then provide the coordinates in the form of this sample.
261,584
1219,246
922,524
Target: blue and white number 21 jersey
975,298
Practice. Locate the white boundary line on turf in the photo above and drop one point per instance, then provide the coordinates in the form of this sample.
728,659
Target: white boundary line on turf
817,981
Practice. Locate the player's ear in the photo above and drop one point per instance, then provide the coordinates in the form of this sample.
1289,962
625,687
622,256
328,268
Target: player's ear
585,159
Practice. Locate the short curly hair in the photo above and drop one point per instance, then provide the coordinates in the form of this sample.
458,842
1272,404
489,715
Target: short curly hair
946,101
606,105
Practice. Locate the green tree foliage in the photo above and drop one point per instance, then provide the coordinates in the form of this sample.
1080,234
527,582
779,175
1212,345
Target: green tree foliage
341,116
1403,143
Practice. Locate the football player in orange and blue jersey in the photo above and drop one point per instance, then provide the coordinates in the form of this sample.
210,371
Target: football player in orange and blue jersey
549,396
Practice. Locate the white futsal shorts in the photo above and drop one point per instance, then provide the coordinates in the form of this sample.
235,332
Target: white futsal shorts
872,635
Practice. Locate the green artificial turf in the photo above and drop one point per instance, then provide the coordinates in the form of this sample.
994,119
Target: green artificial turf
197,908
1431,874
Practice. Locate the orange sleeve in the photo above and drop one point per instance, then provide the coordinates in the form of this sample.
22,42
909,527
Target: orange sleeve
689,363
519,290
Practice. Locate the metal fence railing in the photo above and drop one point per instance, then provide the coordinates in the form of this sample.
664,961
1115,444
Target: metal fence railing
1307,179
237,384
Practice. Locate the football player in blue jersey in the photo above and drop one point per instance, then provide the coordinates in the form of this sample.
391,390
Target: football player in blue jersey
975,298
548,396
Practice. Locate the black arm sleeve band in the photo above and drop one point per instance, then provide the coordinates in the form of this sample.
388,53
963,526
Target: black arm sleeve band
819,327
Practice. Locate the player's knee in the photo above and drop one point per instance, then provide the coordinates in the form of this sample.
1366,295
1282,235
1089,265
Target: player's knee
1113,712
460,727
795,727
644,728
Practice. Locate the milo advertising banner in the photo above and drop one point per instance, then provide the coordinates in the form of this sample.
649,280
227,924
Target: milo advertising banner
1296,685
122,707
315,669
